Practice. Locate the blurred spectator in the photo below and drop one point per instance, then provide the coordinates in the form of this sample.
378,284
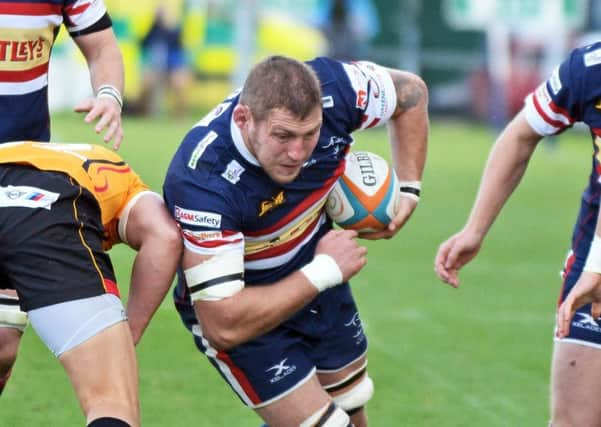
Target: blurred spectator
166,74
523,75
348,26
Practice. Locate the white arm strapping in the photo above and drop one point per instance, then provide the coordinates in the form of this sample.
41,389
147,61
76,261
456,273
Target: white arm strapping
323,272
221,276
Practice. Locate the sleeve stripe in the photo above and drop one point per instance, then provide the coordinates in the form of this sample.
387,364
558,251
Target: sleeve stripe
217,281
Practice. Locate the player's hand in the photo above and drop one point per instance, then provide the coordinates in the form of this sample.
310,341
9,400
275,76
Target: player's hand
404,212
343,247
454,254
586,290
108,111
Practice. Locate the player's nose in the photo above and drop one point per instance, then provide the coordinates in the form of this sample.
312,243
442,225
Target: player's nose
297,150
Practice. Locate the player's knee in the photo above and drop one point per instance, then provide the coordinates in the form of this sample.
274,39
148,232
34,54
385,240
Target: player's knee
330,416
108,422
355,398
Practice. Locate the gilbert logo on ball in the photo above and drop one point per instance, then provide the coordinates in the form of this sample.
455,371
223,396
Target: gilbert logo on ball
366,197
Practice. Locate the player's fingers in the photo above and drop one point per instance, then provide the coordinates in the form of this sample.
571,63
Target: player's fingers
118,137
596,310
564,316
405,209
83,106
105,119
112,129
93,115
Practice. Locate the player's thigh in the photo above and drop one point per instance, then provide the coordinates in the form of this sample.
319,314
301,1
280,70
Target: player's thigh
297,406
575,385
104,369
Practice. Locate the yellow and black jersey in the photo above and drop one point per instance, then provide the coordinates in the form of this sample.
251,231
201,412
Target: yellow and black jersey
101,171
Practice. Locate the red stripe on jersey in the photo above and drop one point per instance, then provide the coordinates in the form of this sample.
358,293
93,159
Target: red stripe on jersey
240,377
111,287
544,116
282,249
77,10
30,9
373,123
304,205
124,169
209,244
23,75
559,110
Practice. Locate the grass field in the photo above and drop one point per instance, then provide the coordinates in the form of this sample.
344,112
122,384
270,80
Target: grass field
476,356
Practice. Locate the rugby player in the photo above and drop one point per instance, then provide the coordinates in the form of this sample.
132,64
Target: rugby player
263,282
571,94
61,207
29,30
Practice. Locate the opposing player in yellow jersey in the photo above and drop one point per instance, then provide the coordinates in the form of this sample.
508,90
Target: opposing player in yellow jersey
61,207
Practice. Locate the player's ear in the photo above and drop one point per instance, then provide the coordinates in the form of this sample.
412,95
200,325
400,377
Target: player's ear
242,116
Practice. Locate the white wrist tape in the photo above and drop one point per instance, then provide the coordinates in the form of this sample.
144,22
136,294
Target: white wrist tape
593,259
323,272
411,189
109,91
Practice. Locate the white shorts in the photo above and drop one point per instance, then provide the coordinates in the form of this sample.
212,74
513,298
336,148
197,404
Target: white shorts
65,325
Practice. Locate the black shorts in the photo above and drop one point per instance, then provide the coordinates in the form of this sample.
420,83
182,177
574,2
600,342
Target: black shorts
50,238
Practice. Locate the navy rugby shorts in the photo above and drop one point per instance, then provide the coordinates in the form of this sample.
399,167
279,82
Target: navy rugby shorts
584,329
327,335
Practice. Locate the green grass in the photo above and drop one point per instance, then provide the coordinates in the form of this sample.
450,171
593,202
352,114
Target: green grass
476,356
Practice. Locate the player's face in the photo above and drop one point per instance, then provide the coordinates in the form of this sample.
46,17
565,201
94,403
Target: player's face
282,143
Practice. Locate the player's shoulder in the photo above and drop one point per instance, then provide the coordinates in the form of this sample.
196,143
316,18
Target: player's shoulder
585,60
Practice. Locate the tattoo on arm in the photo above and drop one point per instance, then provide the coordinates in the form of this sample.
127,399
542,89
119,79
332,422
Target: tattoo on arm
408,92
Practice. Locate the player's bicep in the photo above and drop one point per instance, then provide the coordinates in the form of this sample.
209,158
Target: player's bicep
213,269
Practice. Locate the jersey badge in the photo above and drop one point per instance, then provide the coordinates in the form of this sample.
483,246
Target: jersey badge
200,148
327,101
361,99
27,197
268,205
592,58
555,81
233,171
199,218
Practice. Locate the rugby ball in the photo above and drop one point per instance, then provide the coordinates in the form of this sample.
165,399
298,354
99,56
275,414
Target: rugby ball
366,197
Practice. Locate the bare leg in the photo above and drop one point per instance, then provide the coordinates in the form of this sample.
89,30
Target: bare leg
297,406
575,386
104,374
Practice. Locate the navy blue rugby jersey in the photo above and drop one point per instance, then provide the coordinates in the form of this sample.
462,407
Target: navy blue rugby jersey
572,94
28,29
224,201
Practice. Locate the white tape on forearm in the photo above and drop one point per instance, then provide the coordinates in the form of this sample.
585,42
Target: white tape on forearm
323,272
593,260
410,189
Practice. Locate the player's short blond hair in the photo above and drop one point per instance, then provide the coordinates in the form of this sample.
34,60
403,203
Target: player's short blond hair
281,82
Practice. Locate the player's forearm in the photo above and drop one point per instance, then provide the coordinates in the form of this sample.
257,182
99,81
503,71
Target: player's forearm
408,126
504,170
104,59
254,311
152,275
